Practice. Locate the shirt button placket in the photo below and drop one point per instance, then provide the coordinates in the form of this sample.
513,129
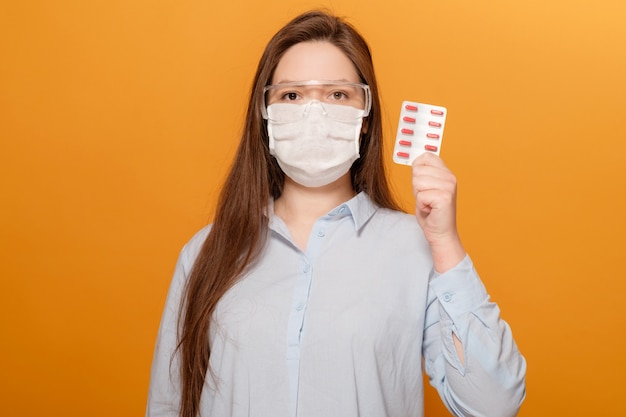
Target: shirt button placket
302,298
296,318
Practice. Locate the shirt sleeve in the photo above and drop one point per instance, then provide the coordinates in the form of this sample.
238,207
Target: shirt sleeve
491,379
164,390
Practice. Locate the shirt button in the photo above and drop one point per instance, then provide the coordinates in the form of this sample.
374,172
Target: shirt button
306,268
299,306
321,233
342,209
447,297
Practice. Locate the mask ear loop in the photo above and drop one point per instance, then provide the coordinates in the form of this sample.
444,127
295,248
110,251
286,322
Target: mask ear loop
360,133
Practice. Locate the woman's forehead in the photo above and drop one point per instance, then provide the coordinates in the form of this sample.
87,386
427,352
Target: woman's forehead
317,60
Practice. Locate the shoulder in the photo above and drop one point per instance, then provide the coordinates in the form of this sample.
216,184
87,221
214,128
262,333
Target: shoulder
365,211
397,220
192,247
388,226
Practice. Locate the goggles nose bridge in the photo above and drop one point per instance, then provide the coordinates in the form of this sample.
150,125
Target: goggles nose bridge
308,105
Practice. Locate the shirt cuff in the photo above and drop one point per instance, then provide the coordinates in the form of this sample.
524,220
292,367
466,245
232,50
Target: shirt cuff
459,290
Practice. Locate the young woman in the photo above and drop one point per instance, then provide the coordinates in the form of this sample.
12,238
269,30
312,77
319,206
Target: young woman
311,295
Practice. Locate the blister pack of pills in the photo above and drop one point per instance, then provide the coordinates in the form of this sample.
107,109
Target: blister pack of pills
420,130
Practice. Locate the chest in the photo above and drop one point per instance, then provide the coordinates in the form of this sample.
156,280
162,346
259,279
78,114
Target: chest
345,288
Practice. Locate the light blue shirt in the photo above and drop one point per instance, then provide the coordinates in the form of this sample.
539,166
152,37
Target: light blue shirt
341,328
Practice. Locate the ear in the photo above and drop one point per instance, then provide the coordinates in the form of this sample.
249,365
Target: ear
365,125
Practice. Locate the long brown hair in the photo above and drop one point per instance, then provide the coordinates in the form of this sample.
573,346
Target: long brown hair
240,225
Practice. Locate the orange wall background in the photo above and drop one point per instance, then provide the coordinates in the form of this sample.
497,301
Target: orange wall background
118,120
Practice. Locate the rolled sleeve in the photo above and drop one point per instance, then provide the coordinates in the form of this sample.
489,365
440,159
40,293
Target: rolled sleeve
490,380
459,290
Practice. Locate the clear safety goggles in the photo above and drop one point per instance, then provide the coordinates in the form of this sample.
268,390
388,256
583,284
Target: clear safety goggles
336,93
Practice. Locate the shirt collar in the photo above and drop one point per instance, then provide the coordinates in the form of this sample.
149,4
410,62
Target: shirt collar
360,207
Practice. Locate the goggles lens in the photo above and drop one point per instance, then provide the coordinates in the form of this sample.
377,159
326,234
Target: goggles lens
353,95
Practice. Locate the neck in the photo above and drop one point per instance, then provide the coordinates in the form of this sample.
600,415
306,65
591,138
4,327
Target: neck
297,201
300,206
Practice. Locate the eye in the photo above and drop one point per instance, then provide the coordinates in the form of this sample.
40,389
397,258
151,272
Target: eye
338,95
290,96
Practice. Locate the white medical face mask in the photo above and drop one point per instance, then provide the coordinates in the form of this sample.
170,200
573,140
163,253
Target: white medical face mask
315,144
